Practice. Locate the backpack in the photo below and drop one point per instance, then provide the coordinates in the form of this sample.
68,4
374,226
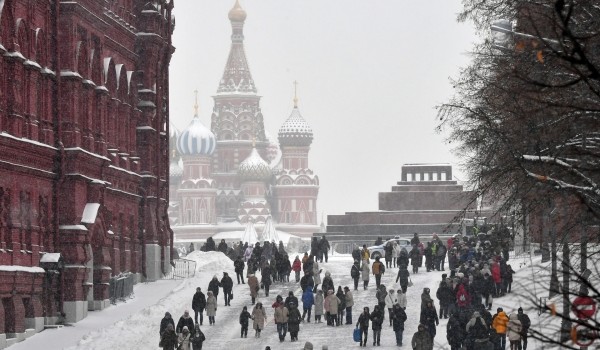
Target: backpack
354,272
479,330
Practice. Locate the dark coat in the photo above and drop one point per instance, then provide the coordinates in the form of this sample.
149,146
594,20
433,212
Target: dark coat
289,300
398,317
376,320
455,332
189,322
213,286
327,284
227,284
244,318
168,340
163,324
403,277
238,265
363,321
294,319
199,301
445,294
306,281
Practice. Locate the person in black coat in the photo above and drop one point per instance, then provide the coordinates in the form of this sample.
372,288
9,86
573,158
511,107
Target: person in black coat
213,286
307,281
355,273
403,276
168,338
429,318
290,299
266,278
315,248
185,321
324,247
446,296
222,247
455,332
244,321
165,322
363,325
198,305
238,266
398,317
376,322
227,284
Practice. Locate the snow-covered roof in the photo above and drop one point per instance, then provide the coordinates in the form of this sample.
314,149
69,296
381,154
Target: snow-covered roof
295,131
255,168
89,213
50,258
14,268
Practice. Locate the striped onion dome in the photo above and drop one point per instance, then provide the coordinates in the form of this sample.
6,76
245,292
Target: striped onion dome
196,139
295,131
175,171
254,168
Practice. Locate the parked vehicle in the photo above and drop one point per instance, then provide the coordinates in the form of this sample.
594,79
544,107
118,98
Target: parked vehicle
379,250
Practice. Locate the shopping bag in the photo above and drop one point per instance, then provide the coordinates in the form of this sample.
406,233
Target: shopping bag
410,283
356,335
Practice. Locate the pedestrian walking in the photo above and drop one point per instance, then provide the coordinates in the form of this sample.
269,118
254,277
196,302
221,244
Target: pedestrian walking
429,318
184,321
455,332
254,287
211,307
376,324
514,332
184,339
525,324
197,338
297,267
244,322
238,266
280,316
213,286
168,338
294,319
401,299
349,304
378,271
355,273
421,340
319,303
198,305
342,305
165,322
500,325
363,325
399,317
390,300
259,317
331,305
402,277
365,272
308,300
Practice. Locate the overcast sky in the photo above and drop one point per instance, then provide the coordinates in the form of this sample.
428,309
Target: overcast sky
370,74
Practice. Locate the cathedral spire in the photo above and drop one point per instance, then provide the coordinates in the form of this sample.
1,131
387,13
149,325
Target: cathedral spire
237,77
196,103
295,94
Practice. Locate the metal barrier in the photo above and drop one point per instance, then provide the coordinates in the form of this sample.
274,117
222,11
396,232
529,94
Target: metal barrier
120,287
182,268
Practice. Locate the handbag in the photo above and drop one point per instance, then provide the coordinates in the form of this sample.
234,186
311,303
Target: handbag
230,296
356,335
410,282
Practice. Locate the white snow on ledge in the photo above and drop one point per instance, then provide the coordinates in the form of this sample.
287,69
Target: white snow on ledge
72,227
89,213
87,152
4,134
14,268
50,258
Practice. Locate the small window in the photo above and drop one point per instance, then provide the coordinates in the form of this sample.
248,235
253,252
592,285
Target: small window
417,177
426,177
443,176
409,177
434,176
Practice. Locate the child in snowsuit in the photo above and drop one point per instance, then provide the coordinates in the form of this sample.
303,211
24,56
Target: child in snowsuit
244,321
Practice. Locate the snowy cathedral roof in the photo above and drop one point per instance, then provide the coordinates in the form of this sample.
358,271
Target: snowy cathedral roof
254,168
196,139
295,131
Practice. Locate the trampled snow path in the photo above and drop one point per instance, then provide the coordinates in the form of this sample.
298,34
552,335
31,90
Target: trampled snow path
135,325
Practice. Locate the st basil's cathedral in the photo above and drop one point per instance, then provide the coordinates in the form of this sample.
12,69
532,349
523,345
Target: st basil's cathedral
233,176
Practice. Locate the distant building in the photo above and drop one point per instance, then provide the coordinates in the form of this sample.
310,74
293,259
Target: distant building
233,174
426,200
84,99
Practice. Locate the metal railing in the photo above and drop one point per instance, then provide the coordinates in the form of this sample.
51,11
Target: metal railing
183,268
121,287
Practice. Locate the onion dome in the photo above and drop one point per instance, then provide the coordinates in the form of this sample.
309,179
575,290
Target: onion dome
196,139
175,171
295,131
254,168
237,13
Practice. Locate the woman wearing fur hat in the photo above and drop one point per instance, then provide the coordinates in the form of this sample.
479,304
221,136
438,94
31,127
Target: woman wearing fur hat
211,307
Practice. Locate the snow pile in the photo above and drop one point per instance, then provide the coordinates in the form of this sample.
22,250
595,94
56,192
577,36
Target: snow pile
212,261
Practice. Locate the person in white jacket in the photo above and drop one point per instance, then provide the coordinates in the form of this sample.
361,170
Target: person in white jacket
401,299
390,301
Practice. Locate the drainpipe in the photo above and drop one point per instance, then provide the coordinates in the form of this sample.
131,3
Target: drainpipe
142,230
57,128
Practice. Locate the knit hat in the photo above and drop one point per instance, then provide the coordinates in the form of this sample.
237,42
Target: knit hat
520,310
308,346
185,328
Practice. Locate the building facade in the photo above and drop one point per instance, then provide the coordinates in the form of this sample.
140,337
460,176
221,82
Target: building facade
245,177
426,200
84,99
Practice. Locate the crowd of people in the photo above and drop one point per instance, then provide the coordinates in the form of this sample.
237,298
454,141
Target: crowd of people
478,275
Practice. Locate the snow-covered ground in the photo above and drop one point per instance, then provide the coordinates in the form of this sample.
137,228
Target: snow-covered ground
134,325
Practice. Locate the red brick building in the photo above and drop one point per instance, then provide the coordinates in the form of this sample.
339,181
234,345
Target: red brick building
84,100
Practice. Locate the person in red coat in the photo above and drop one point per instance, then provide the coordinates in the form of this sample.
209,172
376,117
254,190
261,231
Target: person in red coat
497,277
296,267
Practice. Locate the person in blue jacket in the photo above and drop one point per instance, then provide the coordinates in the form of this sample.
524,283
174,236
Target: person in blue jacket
308,300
